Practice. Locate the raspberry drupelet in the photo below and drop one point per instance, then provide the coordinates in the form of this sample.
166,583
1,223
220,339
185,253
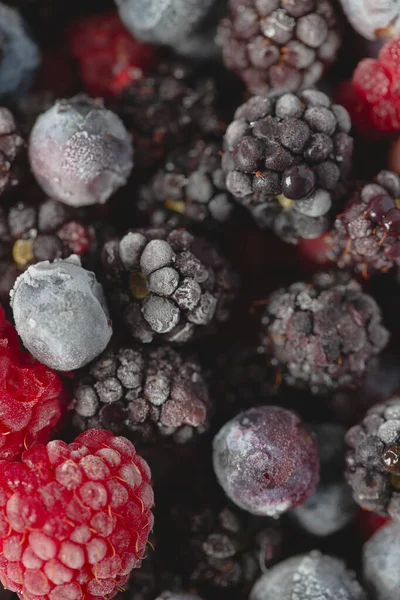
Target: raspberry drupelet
287,160
366,235
167,284
32,396
280,45
324,333
11,151
74,518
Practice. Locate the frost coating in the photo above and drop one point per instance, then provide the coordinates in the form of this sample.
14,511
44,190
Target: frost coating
60,314
373,19
312,576
381,563
80,153
19,55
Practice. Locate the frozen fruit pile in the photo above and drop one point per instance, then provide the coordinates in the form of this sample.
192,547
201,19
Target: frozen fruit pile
199,299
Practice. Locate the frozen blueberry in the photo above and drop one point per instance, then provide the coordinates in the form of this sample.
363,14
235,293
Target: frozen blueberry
373,20
381,556
80,153
312,576
266,460
60,313
19,55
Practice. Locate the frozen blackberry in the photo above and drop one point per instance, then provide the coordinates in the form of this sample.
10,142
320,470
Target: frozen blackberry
287,160
30,233
280,45
142,393
167,284
366,235
373,458
324,333
190,185
171,107
11,150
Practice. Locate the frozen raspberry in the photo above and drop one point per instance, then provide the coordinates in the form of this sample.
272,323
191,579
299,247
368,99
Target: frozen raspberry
312,576
32,396
380,563
368,523
60,313
19,55
11,150
287,160
167,284
280,45
109,57
75,518
373,20
324,334
366,235
266,460
80,153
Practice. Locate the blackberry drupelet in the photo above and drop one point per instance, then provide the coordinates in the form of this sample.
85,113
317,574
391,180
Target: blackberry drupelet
11,150
189,186
280,45
366,235
323,334
142,393
167,284
287,160
171,107
372,461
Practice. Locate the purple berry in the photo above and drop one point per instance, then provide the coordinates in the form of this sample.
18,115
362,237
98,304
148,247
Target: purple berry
266,460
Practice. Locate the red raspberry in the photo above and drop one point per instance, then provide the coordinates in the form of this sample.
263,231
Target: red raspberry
76,236
109,57
74,519
369,522
31,395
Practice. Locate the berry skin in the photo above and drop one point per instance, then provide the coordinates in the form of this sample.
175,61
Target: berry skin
323,334
74,518
167,284
60,313
19,55
32,396
374,21
276,45
366,235
109,58
312,576
287,160
11,146
266,460
79,152
143,393
380,563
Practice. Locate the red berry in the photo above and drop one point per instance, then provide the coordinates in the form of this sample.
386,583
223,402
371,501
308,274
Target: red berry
369,522
109,57
31,395
76,236
371,80
74,519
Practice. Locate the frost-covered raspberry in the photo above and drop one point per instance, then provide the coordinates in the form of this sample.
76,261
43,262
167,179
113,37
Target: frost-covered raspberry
167,284
287,160
373,457
366,235
142,393
19,55
32,396
381,563
80,153
11,146
280,45
75,518
266,460
324,333
373,20
312,576
60,313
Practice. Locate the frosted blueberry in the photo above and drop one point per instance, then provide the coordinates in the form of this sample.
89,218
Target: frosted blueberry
373,19
60,313
381,563
266,460
19,55
80,153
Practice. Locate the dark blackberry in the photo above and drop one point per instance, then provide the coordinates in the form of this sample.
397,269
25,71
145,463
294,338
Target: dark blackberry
167,284
30,233
190,186
171,107
373,458
287,160
323,334
366,235
11,150
142,393
280,45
